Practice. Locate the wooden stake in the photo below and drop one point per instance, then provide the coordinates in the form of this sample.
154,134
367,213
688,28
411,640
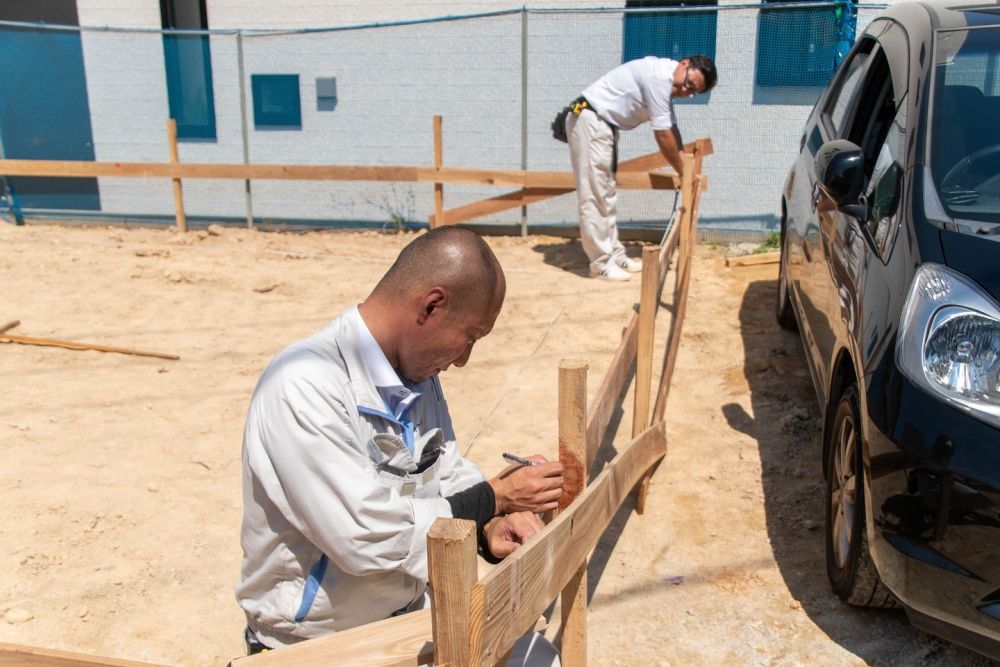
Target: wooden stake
175,160
10,325
70,345
438,218
648,305
573,455
451,564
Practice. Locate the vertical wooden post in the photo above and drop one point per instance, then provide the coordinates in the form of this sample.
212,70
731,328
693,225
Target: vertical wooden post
649,298
453,574
573,455
648,305
438,187
174,159
687,203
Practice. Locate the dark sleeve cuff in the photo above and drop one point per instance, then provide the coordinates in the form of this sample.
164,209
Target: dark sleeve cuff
476,503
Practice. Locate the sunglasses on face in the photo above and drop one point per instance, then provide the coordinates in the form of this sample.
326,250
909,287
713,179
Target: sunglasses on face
688,86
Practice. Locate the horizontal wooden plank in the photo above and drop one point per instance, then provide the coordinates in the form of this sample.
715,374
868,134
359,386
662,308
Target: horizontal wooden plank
497,204
752,260
521,587
530,179
403,641
603,404
16,654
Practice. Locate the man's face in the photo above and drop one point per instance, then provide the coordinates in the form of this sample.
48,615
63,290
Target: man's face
443,340
688,81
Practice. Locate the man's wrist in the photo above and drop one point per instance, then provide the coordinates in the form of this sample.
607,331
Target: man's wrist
499,499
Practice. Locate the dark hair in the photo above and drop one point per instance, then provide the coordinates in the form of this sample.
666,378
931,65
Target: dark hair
704,65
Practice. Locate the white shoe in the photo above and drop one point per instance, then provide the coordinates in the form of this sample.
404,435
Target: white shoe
629,264
611,271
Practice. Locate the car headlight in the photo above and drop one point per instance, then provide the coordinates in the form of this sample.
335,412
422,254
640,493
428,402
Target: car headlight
949,341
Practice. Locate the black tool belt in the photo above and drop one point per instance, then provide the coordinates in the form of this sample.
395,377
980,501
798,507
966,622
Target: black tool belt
575,107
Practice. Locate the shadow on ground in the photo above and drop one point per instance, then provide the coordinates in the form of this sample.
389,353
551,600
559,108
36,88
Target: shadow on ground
568,255
786,423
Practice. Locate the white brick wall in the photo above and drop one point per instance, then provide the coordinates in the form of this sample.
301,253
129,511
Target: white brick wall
390,83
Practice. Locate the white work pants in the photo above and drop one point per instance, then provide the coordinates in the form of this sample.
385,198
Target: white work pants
591,150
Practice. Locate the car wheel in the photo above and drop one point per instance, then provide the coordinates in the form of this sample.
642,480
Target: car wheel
783,304
848,561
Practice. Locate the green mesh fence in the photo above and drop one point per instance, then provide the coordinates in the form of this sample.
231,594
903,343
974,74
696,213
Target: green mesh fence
367,95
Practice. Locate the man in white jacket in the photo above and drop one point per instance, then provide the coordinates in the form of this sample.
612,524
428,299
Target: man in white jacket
349,454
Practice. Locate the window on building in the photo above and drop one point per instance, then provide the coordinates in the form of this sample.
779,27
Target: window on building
669,34
801,46
276,103
326,94
188,60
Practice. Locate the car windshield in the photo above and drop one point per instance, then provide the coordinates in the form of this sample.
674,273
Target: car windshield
965,141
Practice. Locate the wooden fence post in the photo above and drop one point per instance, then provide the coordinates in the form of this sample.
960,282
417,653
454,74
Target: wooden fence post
438,187
649,299
573,455
175,160
453,573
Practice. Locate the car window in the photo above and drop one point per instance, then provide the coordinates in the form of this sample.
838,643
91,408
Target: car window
885,187
850,80
965,133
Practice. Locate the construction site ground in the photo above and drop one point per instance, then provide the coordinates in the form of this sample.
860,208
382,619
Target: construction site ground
120,480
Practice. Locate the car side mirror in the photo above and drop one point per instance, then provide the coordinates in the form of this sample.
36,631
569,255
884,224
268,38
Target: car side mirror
840,172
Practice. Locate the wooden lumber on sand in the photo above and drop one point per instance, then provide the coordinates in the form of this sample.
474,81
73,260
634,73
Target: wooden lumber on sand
71,345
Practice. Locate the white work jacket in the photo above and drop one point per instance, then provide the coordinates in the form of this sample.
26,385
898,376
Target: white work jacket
335,514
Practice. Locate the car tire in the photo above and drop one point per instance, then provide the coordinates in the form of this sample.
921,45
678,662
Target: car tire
783,303
849,563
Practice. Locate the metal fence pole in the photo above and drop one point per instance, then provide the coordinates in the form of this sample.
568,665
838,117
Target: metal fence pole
524,108
243,126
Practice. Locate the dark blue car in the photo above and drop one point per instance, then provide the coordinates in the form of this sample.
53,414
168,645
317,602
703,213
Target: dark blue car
890,271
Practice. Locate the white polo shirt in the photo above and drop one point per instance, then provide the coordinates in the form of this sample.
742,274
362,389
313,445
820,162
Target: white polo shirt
636,92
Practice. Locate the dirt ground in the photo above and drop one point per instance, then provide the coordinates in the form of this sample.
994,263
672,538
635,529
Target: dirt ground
120,476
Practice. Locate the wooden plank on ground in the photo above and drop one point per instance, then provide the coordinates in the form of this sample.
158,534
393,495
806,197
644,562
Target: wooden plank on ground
16,654
403,641
752,260
10,325
521,587
71,345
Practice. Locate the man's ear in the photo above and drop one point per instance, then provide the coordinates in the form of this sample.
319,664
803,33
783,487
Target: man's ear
434,300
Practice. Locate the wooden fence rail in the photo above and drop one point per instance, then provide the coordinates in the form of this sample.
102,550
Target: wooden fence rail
633,174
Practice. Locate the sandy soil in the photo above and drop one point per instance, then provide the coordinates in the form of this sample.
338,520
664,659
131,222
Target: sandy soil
120,476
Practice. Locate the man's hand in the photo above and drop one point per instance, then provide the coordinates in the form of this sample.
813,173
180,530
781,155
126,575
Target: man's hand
504,534
535,488
669,143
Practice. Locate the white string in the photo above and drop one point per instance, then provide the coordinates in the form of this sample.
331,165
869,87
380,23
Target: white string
506,390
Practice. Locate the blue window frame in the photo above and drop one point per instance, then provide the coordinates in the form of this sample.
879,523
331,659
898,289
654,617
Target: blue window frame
188,62
276,103
801,47
669,34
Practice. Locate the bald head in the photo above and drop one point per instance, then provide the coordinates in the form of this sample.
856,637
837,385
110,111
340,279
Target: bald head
443,293
455,259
